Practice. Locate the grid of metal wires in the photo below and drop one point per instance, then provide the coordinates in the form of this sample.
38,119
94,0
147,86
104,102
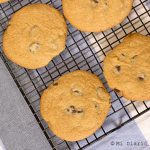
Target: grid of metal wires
84,51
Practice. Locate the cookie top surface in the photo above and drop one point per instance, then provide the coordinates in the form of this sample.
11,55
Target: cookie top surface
35,34
96,15
3,1
75,106
127,67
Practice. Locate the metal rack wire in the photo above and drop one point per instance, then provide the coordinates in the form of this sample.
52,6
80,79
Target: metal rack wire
84,51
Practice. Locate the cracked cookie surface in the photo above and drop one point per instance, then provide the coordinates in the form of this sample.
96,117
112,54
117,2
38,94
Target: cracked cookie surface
96,15
127,67
75,106
35,35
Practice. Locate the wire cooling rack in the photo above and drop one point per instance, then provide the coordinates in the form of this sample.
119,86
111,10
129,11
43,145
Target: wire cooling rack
85,51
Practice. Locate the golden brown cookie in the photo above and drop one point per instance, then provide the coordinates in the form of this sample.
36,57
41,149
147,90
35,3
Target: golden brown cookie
35,35
75,106
96,15
3,1
127,67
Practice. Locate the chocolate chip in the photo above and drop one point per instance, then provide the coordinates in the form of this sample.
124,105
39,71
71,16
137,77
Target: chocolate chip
96,106
96,1
80,111
141,77
106,3
55,83
116,90
134,56
118,68
76,91
72,109
123,54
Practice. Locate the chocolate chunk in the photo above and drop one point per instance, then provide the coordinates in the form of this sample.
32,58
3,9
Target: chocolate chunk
55,83
96,106
123,54
141,77
134,56
80,111
118,68
72,107
96,1
76,91
71,110
116,90
106,3
74,110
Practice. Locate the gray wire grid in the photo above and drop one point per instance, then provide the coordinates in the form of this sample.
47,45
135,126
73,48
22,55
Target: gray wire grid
84,51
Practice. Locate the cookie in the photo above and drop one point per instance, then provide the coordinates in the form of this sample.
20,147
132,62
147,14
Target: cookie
96,15
3,1
127,67
35,35
75,106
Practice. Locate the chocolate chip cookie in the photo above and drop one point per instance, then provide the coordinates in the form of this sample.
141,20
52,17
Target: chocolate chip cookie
75,106
127,67
35,35
96,15
3,1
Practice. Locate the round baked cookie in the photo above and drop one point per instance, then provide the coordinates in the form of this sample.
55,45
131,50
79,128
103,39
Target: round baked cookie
127,67
35,35
96,15
75,106
3,1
